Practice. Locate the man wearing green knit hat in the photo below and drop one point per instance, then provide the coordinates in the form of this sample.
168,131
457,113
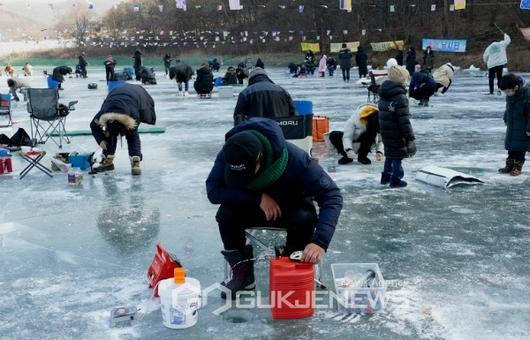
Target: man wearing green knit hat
260,180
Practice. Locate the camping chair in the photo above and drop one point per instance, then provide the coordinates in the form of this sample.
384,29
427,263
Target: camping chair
47,115
298,130
5,109
254,237
373,89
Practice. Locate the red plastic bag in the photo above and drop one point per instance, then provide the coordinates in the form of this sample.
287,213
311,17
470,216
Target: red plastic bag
161,268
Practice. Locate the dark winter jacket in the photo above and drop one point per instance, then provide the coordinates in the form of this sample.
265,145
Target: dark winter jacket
110,63
259,63
361,59
394,119
302,179
204,81
82,61
167,60
230,77
263,98
422,81
345,56
428,61
516,118
399,58
411,60
182,72
147,75
59,73
331,63
137,59
129,100
241,72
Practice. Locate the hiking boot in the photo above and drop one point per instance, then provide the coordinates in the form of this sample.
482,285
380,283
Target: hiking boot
385,177
364,160
345,160
517,168
395,182
106,164
508,168
135,165
242,271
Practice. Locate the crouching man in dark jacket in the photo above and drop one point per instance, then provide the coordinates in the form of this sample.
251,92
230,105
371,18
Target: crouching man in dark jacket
263,98
122,111
259,179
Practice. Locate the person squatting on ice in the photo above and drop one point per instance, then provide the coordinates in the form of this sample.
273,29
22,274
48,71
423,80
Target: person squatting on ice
422,86
394,122
259,179
495,59
204,80
263,98
122,111
361,131
443,76
517,140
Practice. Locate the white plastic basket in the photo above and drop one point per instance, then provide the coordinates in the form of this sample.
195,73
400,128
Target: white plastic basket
360,287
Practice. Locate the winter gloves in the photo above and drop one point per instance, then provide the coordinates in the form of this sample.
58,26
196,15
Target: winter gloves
411,148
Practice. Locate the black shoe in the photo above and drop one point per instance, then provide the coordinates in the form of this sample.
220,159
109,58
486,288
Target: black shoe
242,271
345,160
397,183
364,160
385,177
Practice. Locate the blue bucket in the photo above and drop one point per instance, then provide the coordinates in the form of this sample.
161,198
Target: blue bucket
218,81
130,71
114,84
52,83
79,160
303,107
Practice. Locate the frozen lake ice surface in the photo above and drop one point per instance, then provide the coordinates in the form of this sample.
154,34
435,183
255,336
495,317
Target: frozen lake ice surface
456,260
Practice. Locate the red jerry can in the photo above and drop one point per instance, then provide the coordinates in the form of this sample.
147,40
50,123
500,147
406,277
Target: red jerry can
292,289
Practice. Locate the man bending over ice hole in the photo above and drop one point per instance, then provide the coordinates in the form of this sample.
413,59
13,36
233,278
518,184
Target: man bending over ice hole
260,180
122,111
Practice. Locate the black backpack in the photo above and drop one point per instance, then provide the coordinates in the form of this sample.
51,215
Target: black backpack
21,138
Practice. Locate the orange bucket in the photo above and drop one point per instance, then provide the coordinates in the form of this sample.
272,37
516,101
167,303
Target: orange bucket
320,127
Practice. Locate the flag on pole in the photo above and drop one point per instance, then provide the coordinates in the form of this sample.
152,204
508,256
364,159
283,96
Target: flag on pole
181,4
345,5
234,5
460,4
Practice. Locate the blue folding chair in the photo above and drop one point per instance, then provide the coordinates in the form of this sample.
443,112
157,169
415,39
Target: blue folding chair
5,109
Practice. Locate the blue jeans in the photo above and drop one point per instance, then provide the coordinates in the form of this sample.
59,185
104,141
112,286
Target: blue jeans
393,166
185,85
331,70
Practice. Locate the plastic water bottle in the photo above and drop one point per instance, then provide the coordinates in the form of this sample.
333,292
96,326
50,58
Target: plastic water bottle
179,300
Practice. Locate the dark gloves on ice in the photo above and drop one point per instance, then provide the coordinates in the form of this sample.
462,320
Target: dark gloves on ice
411,148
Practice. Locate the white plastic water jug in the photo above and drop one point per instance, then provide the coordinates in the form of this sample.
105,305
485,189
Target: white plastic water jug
179,300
